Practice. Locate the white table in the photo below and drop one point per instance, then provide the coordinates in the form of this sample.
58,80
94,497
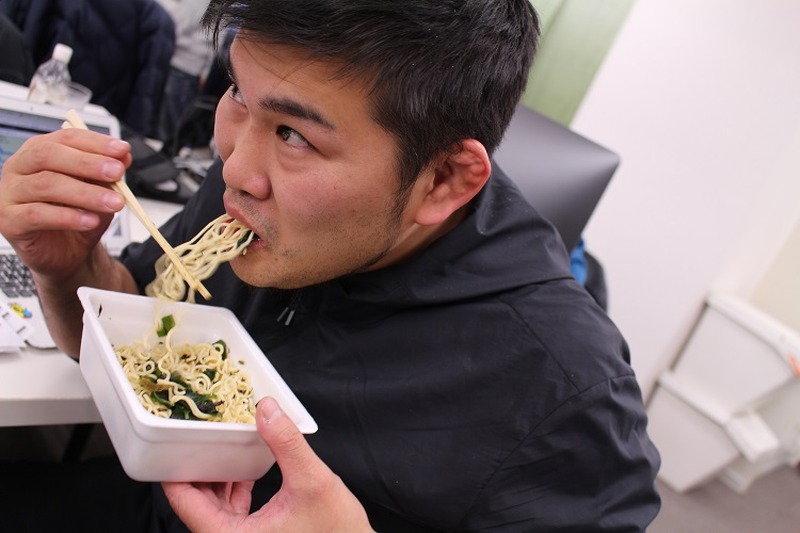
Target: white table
41,387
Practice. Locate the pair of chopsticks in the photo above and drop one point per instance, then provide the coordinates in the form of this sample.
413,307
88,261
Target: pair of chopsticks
74,121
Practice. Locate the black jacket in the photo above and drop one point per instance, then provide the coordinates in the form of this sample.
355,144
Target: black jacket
16,62
475,387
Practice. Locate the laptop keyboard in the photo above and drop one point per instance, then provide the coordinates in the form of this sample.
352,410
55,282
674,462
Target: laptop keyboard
15,278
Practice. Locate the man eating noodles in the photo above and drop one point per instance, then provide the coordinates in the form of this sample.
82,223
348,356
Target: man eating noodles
416,304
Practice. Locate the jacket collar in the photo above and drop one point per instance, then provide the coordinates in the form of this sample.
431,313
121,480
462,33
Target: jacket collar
501,244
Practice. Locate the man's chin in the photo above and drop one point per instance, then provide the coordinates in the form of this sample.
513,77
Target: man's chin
245,270
251,272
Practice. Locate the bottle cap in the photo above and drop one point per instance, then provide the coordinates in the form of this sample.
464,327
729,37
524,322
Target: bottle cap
62,53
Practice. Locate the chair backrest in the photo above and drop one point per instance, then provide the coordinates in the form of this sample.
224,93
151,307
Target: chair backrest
561,173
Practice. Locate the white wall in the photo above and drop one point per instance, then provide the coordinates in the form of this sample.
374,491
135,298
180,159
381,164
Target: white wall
779,291
701,98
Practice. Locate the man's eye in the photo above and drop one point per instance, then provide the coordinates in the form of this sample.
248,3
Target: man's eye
234,92
291,137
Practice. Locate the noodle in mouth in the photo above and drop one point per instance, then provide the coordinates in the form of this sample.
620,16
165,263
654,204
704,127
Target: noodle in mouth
220,241
188,381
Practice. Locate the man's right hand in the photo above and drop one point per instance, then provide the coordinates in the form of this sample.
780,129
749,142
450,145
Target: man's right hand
56,200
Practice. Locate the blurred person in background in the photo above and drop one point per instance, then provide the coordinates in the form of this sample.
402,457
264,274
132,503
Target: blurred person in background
16,61
190,64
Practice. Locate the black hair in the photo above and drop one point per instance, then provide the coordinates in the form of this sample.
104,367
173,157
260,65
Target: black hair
439,71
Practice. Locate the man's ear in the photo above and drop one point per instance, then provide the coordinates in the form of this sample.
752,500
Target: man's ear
454,181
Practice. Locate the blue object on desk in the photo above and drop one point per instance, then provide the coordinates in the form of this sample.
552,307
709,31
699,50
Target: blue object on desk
577,262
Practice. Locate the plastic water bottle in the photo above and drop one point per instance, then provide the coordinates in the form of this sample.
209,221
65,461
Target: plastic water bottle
50,82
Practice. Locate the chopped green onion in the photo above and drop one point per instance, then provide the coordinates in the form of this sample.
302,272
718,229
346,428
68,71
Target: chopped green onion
167,323
224,346
244,238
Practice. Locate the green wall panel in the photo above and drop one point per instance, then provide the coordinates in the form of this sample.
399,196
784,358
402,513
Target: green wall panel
576,35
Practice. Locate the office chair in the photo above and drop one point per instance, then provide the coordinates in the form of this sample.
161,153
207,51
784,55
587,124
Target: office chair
563,175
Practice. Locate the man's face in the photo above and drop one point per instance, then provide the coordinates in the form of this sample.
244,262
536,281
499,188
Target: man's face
307,169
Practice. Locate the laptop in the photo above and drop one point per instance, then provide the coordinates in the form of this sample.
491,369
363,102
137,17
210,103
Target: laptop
20,120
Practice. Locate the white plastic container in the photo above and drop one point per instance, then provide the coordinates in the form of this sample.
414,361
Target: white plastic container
152,448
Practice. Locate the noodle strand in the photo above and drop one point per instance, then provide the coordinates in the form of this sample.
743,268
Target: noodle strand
219,241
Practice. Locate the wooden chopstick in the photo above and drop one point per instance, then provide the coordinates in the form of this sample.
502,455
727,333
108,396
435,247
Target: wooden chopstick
74,121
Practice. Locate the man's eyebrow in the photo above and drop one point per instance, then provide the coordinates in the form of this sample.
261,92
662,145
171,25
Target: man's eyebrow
288,107
295,109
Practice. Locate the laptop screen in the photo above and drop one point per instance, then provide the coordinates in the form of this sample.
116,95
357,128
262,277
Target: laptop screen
17,126
20,120
10,141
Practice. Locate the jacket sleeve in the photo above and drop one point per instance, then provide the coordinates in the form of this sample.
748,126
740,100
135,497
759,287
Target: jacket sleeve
589,466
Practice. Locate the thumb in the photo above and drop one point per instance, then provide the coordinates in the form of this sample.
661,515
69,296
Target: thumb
288,445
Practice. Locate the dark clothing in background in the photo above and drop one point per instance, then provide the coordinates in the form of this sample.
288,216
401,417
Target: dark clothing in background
121,49
16,62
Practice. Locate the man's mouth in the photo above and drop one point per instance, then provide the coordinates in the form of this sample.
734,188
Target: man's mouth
256,242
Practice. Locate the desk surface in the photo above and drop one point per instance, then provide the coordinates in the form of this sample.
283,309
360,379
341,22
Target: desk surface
39,387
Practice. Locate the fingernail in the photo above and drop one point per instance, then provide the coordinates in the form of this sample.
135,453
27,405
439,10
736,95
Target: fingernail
270,410
113,201
118,145
112,169
87,221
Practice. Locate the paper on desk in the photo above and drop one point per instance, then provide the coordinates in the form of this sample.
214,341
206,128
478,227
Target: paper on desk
13,330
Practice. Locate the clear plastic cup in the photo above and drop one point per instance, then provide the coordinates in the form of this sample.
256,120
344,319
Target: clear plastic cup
75,97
